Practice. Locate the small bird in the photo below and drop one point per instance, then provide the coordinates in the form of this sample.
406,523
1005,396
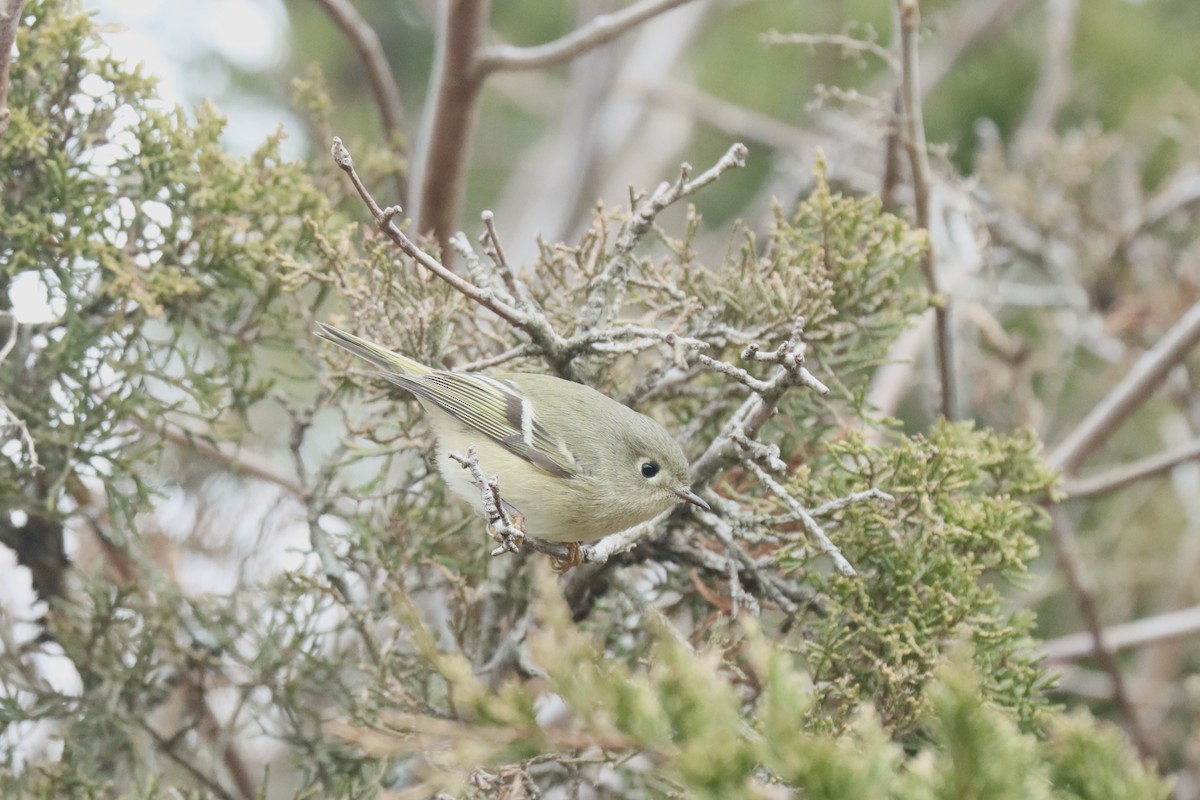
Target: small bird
576,464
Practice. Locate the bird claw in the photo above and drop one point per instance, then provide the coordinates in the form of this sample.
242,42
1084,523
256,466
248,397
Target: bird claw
573,558
509,534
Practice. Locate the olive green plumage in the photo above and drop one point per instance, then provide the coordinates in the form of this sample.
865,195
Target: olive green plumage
577,464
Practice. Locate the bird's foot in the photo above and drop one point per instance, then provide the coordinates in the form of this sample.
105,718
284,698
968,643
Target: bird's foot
573,558
510,533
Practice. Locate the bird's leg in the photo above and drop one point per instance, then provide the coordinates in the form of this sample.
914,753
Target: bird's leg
573,558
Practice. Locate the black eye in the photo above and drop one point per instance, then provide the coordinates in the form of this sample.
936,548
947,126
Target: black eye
649,469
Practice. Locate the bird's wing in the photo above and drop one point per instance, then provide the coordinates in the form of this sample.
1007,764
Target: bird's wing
497,409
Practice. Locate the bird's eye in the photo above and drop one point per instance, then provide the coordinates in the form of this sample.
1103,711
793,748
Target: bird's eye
649,469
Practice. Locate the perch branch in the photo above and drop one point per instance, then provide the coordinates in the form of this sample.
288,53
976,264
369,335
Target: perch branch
507,524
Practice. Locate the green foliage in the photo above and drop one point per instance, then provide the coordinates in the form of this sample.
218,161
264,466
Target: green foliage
159,255
962,523
715,729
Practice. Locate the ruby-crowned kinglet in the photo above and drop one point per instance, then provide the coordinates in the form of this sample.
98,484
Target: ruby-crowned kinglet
578,465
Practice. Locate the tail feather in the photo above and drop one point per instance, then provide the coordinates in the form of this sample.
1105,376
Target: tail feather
379,356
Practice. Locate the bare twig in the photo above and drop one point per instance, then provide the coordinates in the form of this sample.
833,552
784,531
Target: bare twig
643,219
789,355
823,510
505,523
737,373
530,320
1127,396
848,45
496,252
600,30
1180,192
1080,584
168,747
1161,627
366,43
740,560
10,18
760,406
918,157
811,526
1124,475
767,454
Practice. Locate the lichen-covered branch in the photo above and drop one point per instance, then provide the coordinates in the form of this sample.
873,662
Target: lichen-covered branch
506,523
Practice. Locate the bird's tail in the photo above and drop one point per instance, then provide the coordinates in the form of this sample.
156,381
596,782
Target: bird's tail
379,356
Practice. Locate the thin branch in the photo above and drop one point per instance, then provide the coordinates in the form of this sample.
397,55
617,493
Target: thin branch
619,261
168,748
487,362
1080,584
739,559
918,157
1150,630
811,526
760,406
232,458
365,42
10,18
893,161
491,239
505,523
600,30
826,508
1128,395
1126,474
530,320
1180,193
849,45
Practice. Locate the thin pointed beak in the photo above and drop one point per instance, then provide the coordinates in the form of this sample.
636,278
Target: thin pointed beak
688,496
